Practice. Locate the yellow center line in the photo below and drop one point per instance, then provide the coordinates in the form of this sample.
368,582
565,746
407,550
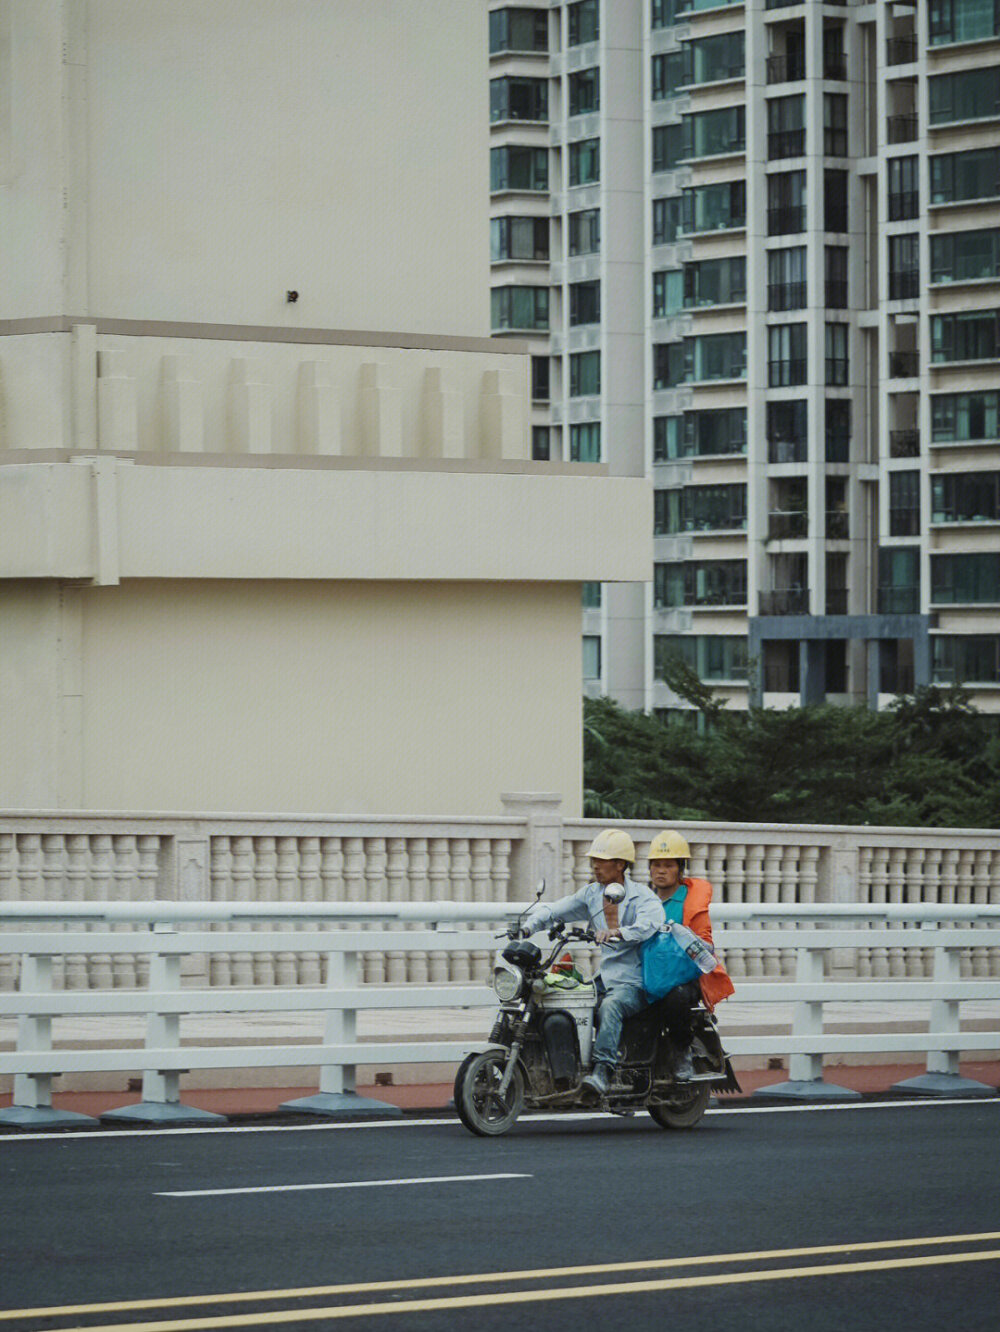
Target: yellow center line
481,1278
533,1296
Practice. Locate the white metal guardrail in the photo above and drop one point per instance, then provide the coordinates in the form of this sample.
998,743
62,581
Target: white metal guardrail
813,931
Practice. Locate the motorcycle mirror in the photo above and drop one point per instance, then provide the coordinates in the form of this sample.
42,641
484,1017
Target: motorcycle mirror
614,892
540,890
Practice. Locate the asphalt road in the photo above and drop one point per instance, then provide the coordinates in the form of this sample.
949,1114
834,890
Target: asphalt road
445,1230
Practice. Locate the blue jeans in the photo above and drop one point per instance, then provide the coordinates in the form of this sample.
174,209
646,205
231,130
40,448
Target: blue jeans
617,1003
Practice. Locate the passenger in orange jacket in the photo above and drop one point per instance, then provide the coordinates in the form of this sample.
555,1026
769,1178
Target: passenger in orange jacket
686,901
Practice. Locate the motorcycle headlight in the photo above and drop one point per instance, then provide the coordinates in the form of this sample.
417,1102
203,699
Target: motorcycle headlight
507,982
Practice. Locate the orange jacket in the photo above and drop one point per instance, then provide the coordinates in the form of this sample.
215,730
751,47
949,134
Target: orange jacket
716,986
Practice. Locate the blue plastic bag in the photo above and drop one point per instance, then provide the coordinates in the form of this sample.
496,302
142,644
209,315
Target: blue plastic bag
665,965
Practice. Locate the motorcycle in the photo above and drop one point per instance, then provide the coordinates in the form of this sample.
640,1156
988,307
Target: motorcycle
539,1051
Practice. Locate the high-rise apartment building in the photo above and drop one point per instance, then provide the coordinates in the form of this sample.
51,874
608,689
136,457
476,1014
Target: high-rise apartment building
756,250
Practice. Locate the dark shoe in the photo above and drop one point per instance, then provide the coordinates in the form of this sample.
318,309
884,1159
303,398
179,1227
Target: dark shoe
684,1070
597,1080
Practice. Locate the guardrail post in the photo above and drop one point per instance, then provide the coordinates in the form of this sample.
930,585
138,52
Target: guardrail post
32,1106
805,1071
337,1097
942,1077
161,1097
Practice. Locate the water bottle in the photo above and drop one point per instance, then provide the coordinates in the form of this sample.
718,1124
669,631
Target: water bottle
696,948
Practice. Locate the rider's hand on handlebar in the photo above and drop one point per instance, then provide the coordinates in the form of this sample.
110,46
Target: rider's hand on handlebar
607,936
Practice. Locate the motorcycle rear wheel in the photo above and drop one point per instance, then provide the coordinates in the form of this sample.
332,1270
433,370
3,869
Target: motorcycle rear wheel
480,1106
685,1110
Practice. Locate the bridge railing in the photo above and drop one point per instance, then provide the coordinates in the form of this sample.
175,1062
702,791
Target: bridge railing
814,933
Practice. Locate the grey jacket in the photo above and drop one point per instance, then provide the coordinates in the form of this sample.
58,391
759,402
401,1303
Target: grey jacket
640,916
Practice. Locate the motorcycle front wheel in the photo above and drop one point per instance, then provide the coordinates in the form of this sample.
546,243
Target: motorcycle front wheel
685,1110
480,1106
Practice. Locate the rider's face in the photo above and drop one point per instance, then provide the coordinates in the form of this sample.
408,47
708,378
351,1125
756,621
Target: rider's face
664,876
608,871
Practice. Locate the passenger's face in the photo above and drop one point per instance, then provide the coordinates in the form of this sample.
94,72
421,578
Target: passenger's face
608,871
664,876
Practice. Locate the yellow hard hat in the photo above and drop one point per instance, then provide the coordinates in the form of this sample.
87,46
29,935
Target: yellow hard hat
612,844
669,845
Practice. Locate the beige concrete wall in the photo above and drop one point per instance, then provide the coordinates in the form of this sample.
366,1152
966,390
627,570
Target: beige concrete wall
339,697
196,159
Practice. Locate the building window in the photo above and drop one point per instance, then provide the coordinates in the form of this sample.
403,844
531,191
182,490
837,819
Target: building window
584,231
539,379
836,277
786,355
700,434
786,278
519,99
716,133
715,508
968,94
720,207
584,302
974,174
585,162
835,200
957,417
669,147
837,518
591,657
668,292
835,124
904,189
584,91
787,431
669,72
966,659
971,580
904,266
965,497
590,596
838,430
522,238
668,364
837,368
715,59
667,438
584,374
585,442
786,203
898,580
904,503
716,282
516,168
700,583
786,126
519,30
965,256
541,447
584,22
519,308
970,335
963,20
666,220
664,12
788,512
715,356
712,656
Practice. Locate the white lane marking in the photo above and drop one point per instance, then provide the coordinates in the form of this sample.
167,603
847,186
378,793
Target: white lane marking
342,1184
451,1121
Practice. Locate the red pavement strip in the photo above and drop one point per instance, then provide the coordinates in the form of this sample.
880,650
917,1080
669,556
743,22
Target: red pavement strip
250,1101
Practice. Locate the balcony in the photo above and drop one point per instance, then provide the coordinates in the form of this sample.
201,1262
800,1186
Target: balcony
787,220
783,374
837,525
902,129
785,68
837,371
904,364
836,601
786,296
783,524
904,443
904,284
786,143
785,601
836,293
835,67
835,217
898,600
787,451
838,447
900,50
904,205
